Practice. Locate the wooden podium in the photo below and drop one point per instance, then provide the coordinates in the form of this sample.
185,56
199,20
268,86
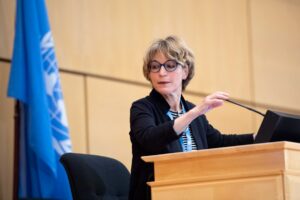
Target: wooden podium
266,171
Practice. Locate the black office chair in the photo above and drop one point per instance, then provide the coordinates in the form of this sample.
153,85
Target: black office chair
96,177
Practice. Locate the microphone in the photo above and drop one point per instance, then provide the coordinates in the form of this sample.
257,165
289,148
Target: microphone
276,126
253,110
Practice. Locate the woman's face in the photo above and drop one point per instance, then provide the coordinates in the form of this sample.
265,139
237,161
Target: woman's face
164,82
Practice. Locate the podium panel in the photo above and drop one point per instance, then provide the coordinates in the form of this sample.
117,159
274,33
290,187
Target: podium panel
249,188
258,171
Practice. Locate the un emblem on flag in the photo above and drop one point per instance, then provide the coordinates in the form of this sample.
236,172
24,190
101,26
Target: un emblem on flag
60,139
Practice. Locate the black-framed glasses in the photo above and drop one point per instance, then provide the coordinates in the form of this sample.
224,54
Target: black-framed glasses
169,65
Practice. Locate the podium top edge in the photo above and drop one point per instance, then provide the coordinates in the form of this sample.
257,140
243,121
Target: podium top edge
270,146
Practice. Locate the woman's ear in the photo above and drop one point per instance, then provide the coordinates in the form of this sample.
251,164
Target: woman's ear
185,72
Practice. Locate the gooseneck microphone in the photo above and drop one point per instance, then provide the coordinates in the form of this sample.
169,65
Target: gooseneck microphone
276,126
253,110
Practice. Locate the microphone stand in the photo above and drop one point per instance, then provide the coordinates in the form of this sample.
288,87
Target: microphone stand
233,102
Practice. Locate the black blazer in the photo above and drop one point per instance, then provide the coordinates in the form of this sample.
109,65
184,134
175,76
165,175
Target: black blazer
152,133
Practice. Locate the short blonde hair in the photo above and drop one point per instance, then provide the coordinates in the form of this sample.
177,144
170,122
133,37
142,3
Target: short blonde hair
173,48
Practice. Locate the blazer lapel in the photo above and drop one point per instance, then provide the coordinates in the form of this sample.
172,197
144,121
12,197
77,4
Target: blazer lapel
196,133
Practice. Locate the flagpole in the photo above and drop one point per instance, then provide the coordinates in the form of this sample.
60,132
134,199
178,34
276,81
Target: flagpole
16,150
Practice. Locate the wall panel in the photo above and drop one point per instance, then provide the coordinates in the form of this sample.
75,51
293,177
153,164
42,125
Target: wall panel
73,87
6,136
221,48
108,113
7,15
276,52
115,34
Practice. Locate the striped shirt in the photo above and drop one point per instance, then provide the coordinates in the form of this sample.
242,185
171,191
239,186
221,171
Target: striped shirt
184,134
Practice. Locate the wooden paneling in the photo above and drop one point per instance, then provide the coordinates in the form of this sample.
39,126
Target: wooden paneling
108,117
248,189
292,183
220,42
74,95
258,121
275,39
6,136
115,34
7,15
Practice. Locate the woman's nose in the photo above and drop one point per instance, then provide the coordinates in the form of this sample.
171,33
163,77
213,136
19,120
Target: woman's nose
163,70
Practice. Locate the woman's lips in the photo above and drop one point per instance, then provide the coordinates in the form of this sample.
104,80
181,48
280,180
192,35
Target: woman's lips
163,82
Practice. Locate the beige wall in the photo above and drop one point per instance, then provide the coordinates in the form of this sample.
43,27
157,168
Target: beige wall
249,48
6,136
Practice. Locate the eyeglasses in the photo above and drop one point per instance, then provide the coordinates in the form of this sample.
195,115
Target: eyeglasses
169,65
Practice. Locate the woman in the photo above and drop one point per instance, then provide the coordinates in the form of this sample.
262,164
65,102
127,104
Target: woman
164,122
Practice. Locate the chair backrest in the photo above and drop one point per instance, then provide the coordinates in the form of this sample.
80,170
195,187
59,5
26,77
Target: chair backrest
96,177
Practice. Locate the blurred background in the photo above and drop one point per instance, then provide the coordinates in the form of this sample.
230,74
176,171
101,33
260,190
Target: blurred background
248,48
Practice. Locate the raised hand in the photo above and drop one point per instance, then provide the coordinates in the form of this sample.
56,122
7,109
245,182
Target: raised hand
212,101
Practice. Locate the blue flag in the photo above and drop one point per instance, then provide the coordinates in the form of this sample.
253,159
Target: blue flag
34,81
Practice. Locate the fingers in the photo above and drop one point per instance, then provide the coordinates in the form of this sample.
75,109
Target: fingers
213,101
219,95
